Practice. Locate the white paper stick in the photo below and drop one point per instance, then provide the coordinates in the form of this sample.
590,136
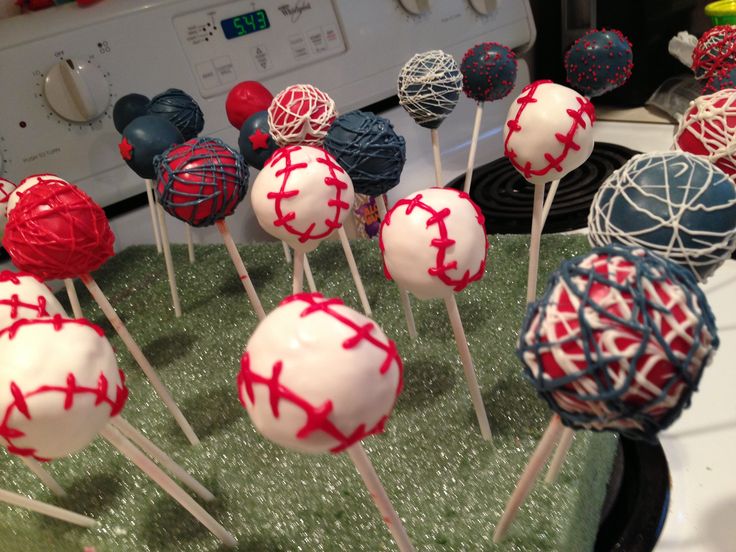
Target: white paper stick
15,499
154,216
71,293
297,285
549,199
287,252
170,272
560,454
354,271
464,350
473,147
308,275
232,249
436,155
375,488
190,243
528,477
536,237
146,465
139,357
45,477
160,457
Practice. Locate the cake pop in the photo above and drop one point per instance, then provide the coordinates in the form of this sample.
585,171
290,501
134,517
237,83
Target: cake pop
27,183
599,61
25,296
708,128
6,188
317,377
180,109
127,108
724,77
300,114
716,48
143,139
244,100
675,204
255,141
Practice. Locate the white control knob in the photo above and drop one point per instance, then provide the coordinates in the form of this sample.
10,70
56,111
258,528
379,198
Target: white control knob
417,7
76,90
484,7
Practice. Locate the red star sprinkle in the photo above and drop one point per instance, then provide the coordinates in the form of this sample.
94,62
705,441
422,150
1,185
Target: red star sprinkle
259,139
126,149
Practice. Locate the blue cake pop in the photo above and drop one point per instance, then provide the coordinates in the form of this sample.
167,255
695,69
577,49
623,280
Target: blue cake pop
618,342
674,203
367,147
179,108
127,108
143,139
723,78
598,62
255,141
489,72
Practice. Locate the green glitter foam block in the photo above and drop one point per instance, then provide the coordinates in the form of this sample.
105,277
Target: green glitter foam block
448,485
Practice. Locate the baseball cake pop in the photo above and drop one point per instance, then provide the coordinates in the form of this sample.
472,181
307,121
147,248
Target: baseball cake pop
180,109
23,295
598,62
708,128
245,99
300,114
675,204
255,141
143,139
715,49
127,108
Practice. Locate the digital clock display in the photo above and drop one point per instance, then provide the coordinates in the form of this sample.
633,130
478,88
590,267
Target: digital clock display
245,24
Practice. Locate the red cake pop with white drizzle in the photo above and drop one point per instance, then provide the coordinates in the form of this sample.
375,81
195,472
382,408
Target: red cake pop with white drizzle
23,295
300,114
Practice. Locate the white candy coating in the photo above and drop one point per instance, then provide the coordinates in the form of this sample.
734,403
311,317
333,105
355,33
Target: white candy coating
434,242
548,131
23,295
318,376
59,385
301,196
27,183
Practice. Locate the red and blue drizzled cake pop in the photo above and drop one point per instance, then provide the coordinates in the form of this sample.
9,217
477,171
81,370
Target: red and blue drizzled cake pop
143,139
489,71
179,108
255,141
598,62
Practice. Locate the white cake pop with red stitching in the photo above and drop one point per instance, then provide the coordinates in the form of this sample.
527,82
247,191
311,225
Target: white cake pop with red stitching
317,376
27,183
23,295
301,196
59,386
548,131
434,242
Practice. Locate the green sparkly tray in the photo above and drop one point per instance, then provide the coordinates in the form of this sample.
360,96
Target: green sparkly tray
447,484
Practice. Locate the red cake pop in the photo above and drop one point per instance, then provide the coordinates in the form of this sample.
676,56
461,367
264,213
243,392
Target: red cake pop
57,231
301,114
245,99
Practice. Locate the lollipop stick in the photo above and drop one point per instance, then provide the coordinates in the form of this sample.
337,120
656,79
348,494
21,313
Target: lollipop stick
403,294
139,357
159,456
287,252
71,292
190,243
308,274
528,477
46,509
169,261
531,280
559,458
375,488
43,475
462,347
298,282
473,147
240,268
436,154
548,201
146,465
354,270
154,218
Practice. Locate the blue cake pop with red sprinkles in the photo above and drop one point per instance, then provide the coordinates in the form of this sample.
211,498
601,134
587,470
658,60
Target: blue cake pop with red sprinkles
489,71
723,78
599,61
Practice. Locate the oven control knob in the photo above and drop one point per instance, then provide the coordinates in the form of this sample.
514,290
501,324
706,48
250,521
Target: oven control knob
76,90
484,7
416,7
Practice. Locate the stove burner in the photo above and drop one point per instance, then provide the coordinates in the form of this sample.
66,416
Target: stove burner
506,198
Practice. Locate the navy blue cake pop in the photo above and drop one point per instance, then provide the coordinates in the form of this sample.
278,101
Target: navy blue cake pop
598,62
143,139
489,72
368,148
723,78
179,108
255,141
128,108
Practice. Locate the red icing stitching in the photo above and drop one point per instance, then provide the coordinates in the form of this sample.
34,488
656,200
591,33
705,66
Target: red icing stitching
318,416
567,140
441,268
56,321
283,218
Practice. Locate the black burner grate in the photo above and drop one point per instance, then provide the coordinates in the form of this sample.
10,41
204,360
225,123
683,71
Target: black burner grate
506,198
